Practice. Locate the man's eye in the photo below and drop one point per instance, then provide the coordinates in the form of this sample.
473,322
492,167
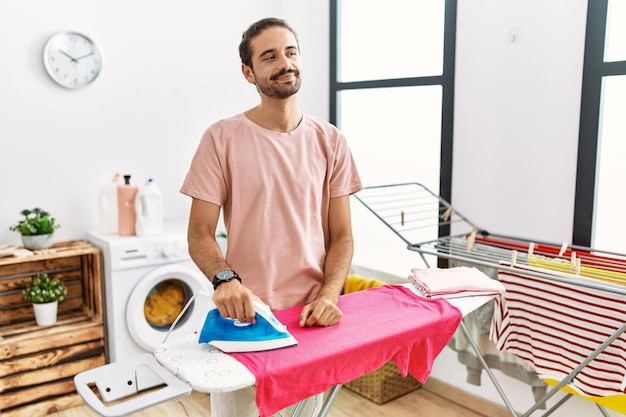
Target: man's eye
269,58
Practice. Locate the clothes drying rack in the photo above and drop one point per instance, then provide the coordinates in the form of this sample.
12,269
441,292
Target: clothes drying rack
439,233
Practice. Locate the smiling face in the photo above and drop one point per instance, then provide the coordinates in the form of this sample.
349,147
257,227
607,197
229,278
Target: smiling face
275,63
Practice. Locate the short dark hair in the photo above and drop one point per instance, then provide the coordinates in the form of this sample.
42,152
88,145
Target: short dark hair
245,53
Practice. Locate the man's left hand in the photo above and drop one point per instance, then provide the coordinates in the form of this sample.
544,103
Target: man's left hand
321,312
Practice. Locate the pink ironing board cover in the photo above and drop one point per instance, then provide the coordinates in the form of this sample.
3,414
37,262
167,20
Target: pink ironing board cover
379,324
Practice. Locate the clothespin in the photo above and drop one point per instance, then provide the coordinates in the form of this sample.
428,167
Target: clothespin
531,249
471,239
513,257
573,260
563,247
578,264
402,218
446,214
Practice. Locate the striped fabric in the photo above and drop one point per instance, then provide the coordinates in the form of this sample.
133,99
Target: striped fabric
554,326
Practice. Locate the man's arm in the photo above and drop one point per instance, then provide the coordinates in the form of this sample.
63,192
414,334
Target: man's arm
323,311
231,298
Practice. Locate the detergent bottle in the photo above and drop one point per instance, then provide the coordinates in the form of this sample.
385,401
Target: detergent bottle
149,210
107,204
127,217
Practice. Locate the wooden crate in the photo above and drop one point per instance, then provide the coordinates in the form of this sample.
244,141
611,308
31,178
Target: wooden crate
383,384
38,364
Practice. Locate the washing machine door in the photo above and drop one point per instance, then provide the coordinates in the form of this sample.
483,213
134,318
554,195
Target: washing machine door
159,297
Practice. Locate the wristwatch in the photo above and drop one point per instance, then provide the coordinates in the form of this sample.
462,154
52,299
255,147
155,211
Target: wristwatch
224,275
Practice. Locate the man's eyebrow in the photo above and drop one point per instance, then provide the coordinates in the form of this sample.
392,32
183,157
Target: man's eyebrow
271,51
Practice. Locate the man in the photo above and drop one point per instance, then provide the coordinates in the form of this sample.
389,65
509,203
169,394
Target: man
283,179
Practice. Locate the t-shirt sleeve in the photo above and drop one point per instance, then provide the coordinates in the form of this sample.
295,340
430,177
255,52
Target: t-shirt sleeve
345,179
205,178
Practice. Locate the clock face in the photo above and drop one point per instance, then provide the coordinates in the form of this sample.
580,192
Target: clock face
72,59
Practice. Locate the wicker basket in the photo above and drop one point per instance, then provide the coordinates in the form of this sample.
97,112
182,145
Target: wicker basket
383,384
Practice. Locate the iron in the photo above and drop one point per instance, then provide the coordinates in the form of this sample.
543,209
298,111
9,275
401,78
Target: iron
231,336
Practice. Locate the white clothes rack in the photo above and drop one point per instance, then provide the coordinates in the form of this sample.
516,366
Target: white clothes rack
434,229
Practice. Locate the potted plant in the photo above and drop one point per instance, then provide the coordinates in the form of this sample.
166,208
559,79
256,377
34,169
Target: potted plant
36,228
45,293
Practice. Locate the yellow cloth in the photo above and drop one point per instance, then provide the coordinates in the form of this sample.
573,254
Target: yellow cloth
612,402
585,271
357,283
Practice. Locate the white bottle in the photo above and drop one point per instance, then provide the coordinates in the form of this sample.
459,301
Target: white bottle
107,204
149,207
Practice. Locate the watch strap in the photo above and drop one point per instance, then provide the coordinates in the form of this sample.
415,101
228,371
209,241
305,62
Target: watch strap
217,280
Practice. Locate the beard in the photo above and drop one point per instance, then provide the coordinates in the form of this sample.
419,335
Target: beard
279,90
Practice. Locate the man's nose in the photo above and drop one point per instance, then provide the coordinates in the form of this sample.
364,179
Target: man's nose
285,62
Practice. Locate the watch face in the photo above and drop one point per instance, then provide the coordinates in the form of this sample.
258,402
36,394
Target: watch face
72,59
225,275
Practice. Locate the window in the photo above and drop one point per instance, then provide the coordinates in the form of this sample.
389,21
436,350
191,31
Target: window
391,93
392,88
403,39
609,219
404,133
615,32
598,218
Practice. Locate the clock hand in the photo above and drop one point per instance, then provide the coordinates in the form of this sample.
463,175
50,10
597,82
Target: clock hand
84,56
69,56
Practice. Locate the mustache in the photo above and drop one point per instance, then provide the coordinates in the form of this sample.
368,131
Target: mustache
283,72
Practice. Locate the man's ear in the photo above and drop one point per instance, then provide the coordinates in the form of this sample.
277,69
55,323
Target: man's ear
248,73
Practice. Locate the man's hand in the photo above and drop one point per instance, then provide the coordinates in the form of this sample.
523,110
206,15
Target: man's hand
321,312
234,301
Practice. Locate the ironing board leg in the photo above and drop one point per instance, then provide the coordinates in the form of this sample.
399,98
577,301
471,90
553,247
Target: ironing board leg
487,369
298,409
332,394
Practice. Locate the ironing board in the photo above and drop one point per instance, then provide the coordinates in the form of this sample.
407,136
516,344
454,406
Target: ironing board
206,369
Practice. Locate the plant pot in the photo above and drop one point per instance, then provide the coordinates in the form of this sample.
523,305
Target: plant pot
34,242
46,313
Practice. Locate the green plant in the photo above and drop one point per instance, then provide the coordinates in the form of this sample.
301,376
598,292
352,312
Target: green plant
35,222
44,289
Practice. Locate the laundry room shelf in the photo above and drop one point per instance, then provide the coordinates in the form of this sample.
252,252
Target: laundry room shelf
37,364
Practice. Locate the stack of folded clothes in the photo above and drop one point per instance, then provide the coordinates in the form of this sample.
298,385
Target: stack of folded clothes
454,282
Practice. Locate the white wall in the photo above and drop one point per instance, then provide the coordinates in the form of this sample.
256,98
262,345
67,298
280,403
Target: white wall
517,114
170,69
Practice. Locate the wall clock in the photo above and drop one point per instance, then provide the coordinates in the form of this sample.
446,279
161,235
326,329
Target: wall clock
72,59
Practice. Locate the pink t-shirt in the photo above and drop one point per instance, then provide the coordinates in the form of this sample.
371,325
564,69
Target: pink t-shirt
379,324
275,189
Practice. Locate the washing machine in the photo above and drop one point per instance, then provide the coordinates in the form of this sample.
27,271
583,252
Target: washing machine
147,282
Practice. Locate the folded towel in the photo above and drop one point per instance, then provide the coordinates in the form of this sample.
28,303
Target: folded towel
460,282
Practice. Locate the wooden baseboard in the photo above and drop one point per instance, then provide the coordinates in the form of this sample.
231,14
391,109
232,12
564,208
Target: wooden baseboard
471,401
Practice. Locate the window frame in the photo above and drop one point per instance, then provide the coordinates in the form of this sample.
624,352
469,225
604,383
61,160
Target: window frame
446,80
594,70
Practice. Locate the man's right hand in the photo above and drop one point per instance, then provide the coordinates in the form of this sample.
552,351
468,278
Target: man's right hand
234,301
